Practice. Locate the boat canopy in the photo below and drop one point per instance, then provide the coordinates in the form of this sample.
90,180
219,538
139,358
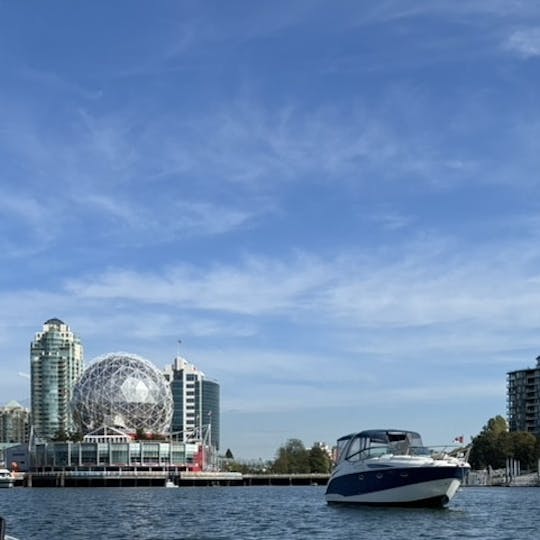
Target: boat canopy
373,442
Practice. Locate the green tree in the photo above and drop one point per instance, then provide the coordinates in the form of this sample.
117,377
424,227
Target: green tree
319,460
60,436
490,446
292,458
494,444
229,454
525,449
76,435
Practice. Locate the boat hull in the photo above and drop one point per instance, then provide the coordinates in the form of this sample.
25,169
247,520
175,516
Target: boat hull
412,486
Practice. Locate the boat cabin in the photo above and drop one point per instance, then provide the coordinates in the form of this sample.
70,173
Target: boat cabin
376,443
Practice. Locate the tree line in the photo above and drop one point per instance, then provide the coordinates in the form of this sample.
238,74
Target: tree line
291,458
495,444
490,448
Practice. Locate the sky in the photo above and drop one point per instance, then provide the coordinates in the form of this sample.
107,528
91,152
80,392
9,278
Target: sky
334,206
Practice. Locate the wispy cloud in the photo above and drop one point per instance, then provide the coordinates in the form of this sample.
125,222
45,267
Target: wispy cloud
524,42
425,283
255,287
388,10
391,220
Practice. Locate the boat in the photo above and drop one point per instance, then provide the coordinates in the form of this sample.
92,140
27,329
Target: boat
170,484
7,479
389,467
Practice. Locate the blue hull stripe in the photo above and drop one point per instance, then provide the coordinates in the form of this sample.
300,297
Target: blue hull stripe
370,481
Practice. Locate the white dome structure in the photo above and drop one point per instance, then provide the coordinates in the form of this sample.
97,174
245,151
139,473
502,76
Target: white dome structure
122,390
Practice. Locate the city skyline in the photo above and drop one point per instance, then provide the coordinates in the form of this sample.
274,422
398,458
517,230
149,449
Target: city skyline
334,206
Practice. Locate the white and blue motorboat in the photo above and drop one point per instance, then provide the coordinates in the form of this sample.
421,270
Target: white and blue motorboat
390,467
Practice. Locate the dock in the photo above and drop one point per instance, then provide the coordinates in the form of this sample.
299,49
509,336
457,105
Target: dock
139,478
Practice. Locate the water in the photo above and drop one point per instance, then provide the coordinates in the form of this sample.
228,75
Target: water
226,513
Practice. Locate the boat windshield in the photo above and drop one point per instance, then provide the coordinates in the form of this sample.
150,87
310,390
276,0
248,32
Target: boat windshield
341,445
371,444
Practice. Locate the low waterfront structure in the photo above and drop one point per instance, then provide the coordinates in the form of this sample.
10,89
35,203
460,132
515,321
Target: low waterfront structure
147,455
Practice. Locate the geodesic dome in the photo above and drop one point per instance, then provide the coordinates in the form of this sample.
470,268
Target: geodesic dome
122,390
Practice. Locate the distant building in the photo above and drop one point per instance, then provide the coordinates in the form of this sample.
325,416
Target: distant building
106,452
523,387
56,358
14,423
196,404
324,447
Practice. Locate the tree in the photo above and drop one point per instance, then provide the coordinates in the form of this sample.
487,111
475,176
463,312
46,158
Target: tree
292,458
60,436
496,425
319,460
490,447
229,454
525,448
76,435
494,444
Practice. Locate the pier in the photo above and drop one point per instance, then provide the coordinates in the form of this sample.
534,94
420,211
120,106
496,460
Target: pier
139,478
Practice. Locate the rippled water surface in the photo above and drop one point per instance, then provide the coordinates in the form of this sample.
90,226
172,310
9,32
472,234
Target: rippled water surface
257,512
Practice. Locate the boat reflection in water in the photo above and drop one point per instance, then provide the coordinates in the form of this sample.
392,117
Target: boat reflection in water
393,468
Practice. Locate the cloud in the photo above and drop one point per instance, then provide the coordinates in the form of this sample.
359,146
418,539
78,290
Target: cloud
205,218
426,282
256,286
524,42
391,220
389,10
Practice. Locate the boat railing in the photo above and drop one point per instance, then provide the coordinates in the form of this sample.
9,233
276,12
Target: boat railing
397,450
420,451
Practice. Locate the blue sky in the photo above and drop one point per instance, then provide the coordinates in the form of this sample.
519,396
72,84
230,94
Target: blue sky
334,205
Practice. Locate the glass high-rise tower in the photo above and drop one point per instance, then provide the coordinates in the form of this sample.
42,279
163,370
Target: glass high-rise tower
56,358
196,403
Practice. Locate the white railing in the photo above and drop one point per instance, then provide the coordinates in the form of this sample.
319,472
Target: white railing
108,474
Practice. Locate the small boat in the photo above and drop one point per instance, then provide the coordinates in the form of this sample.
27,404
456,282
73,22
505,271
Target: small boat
393,468
170,484
7,479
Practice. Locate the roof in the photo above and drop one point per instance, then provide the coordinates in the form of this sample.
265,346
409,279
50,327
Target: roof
55,321
380,434
13,405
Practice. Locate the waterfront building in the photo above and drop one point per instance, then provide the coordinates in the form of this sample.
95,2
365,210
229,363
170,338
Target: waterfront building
523,399
56,358
14,423
111,453
196,404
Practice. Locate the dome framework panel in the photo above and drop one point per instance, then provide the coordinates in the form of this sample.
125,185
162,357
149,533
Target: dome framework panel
122,390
